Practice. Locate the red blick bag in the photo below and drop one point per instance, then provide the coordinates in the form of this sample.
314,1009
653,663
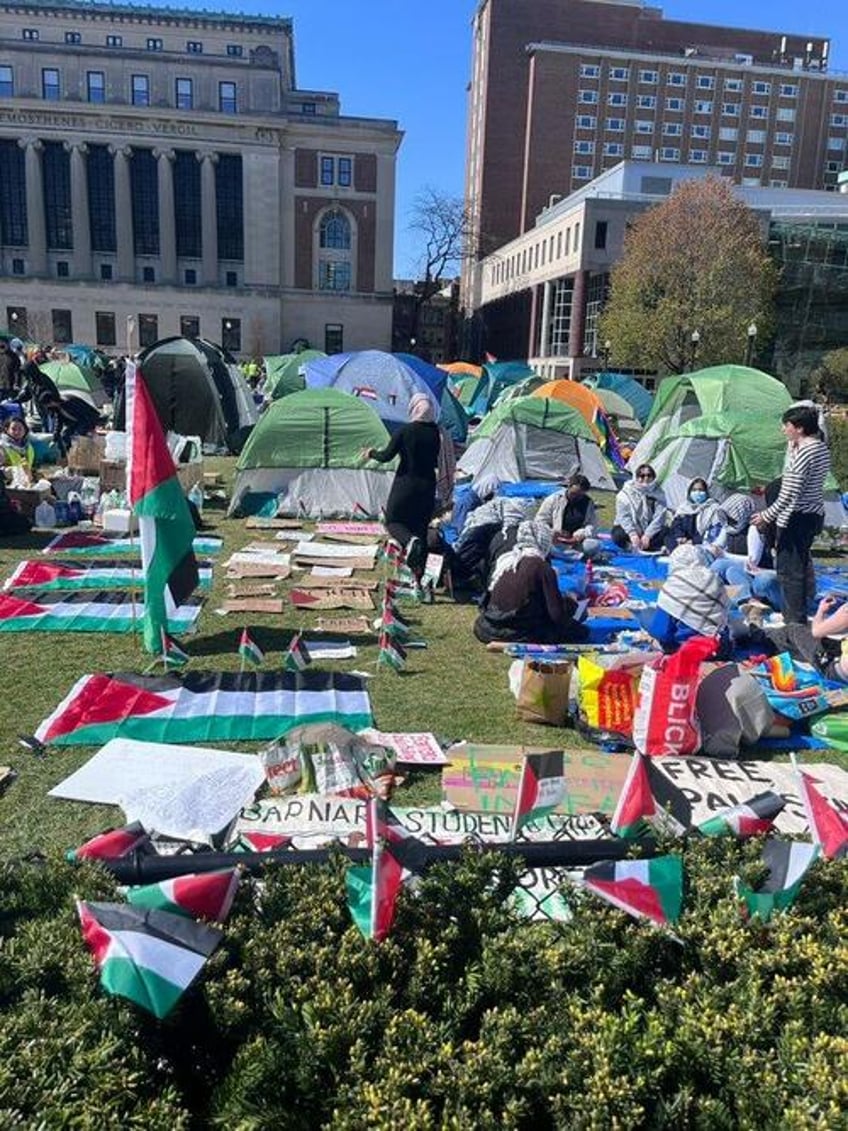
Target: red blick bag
665,721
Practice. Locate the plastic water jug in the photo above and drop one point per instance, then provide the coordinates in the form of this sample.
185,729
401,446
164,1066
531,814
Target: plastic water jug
45,515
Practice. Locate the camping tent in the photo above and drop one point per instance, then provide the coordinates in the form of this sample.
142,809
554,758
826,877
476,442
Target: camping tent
284,372
458,369
535,438
629,388
198,390
74,377
385,381
620,413
584,399
304,458
722,424
497,376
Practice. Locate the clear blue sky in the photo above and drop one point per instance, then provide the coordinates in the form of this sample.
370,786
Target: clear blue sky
410,60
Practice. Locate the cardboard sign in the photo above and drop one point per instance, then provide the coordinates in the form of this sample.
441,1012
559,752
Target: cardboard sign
313,817
253,605
411,749
252,589
372,529
345,626
337,597
256,522
258,565
315,582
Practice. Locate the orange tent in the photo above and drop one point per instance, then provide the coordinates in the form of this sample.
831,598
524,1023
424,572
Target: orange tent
586,401
462,369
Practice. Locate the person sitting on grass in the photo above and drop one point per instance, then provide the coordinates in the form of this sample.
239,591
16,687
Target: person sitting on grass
570,513
699,519
16,451
641,512
523,602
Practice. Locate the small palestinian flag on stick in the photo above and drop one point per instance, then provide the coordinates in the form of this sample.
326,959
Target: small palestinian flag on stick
649,797
172,654
749,819
360,512
396,859
390,552
111,845
393,625
297,657
788,862
205,895
650,889
540,789
828,827
149,957
249,650
392,653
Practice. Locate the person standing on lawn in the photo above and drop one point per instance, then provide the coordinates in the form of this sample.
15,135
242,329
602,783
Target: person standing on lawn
798,511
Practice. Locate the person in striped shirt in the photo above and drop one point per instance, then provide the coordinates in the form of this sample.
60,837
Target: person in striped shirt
798,511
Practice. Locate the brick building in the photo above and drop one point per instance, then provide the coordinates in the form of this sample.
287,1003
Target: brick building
162,165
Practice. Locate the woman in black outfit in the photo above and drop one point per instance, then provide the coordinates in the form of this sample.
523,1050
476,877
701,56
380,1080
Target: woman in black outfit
412,498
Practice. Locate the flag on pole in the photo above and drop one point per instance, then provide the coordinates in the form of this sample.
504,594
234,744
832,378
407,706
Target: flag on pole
112,844
397,857
392,653
393,625
297,657
649,797
166,529
249,650
828,827
788,862
749,819
650,889
540,789
203,895
172,654
149,957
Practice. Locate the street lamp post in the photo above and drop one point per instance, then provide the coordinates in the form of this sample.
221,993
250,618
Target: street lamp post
605,354
412,345
696,341
752,339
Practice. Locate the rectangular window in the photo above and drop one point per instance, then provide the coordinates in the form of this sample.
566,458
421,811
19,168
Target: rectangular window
785,114
62,328
582,173
187,214
644,126
105,273
601,235
838,120
586,122
673,129
73,37
30,33
701,132
230,205
756,137
148,275
56,168
705,82
345,171
840,95
703,107
667,153
613,149
190,276
836,143
63,269
333,337
759,111
100,166
620,74
50,89
761,88
189,326
114,41
144,188
725,158
649,77
589,70
585,147
154,44
698,156
751,181
96,86
231,334
148,329
104,328
227,100
309,108
728,133
617,98
7,82
328,170
140,90
17,267
730,109
754,160
615,125
784,139
231,279
674,104
641,152
235,50
779,184
788,90
833,167
780,162
194,47
646,101
735,85
184,94
588,97
675,78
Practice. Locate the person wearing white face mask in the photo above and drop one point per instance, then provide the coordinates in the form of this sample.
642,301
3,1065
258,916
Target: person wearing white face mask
641,512
698,520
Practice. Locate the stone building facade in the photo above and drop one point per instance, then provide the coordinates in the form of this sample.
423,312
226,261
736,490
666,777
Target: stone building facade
161,173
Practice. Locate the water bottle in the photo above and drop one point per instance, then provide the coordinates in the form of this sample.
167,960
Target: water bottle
89,496
45,515
63,516
195,496
74,508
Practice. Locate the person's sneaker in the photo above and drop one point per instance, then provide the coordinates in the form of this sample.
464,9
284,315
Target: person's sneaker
411,548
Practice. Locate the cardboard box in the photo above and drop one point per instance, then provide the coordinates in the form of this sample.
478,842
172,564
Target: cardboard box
119,522
189,474
86,452
25,499
113,475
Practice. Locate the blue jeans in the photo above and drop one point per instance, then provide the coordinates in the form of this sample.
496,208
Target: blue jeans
763,585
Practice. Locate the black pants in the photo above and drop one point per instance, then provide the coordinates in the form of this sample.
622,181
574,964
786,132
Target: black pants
622,539
794,564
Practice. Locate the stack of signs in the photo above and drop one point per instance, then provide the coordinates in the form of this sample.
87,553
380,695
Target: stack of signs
341,556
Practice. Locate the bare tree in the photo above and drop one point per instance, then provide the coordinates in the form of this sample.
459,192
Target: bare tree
445,235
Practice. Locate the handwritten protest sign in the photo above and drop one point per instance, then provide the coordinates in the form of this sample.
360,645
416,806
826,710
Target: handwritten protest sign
374,529
411,749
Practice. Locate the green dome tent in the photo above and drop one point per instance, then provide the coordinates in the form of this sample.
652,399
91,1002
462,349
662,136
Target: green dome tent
305,453
74,377
722,424
535,438
284,373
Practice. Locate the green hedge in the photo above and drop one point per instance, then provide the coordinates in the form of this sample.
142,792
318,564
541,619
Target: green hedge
464,1018
838,428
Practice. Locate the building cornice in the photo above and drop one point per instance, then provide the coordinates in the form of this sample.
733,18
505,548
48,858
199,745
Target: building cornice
152,15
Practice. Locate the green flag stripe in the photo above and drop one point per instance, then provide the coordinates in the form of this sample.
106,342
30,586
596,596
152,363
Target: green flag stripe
151,991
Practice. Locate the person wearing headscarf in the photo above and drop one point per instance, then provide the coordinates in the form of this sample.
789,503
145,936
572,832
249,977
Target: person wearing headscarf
487,529
641,512
699,519
570,513
412,497
692,602
523,602
15,447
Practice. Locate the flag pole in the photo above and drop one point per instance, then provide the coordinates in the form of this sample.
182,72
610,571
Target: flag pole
241,653
513,832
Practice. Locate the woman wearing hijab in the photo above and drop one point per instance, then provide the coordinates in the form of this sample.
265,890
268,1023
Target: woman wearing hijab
15,447
523,601
698,520
412,498
641,512
473,549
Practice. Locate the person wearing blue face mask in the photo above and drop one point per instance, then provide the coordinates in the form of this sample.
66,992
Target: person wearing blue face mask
699,520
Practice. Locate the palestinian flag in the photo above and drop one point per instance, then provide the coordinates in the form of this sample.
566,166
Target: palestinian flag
297,657
166,528
108,611
652,889
107,574
111,845
172,654
397,858
540,789
392,625
204,706
390,551
649,797
788,862
84,543
392,654
150,957
828,827
261,842
249,650
749,819
205,895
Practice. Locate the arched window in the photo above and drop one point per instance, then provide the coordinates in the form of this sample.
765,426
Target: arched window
335,232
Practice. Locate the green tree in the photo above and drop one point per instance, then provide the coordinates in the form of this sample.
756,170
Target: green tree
830,379
696,263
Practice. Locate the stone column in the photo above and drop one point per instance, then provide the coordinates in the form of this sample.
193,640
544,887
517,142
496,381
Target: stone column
287,217
167,215
123,213
544,347
534,308
384,235
79,209
209,217
36,224
578,314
